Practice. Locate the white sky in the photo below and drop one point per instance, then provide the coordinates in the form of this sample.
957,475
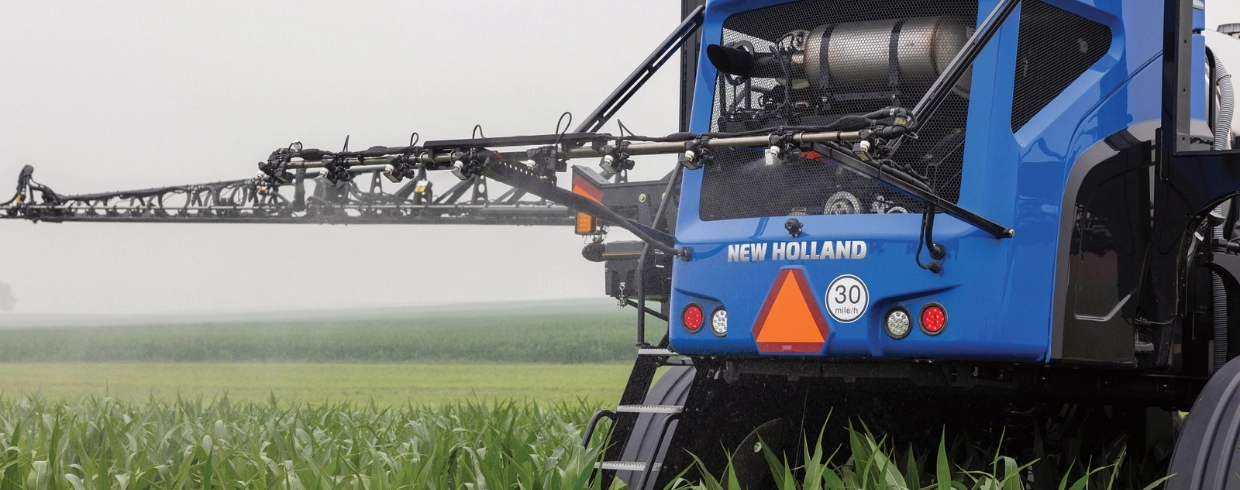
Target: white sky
142,93
131,94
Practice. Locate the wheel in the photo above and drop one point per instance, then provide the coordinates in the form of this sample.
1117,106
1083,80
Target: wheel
670,389
1206,455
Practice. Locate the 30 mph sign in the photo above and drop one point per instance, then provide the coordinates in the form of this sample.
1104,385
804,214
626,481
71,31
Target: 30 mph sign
847,298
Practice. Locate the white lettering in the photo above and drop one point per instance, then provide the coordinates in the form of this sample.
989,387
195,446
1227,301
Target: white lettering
778,251
858,250
843,250
807,250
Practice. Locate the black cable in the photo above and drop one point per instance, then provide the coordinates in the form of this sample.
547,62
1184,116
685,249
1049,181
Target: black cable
925,237
787,71
560,133
785,65
921,240
623,129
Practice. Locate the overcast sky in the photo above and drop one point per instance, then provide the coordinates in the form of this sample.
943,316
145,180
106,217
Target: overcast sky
131,94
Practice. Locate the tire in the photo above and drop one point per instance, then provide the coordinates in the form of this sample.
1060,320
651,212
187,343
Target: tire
1206,455
670,389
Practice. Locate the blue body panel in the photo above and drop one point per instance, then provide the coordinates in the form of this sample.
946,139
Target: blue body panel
1199,18
998,293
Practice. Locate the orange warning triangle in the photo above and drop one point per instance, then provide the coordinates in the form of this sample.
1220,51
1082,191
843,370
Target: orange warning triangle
790,321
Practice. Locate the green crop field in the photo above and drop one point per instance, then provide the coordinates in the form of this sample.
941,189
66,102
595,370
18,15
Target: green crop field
105,444
544,352
546,334
447,399
387,384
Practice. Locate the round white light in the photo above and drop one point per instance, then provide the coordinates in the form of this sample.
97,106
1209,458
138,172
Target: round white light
898,323
295,146
719,322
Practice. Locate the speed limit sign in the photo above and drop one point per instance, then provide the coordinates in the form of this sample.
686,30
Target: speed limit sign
847,298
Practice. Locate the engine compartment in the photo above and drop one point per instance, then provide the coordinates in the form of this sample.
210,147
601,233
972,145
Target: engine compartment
809,64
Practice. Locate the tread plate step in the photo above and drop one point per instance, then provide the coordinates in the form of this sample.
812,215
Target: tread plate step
655,352
625,466
649,409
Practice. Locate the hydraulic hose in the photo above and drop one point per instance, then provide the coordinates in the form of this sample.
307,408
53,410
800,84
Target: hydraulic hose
1222,124
1219,312
1222,140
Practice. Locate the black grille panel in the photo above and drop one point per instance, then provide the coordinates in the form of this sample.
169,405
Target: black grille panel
1054,49
857,57
742,186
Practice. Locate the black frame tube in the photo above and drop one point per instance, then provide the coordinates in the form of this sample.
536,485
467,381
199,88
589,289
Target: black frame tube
641,262
1176,98
522,177
647,69
594,420
938,92
914,189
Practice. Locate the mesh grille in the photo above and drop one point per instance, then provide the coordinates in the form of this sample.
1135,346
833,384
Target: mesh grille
1054,49
742,186
846,58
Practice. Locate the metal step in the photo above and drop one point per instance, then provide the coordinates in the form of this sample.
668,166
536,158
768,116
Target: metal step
625,466
649,409
666,357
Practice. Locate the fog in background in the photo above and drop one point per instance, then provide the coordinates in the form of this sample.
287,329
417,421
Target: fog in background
103,96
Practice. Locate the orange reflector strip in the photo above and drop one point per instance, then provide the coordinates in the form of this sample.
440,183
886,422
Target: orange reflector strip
586,224
791,321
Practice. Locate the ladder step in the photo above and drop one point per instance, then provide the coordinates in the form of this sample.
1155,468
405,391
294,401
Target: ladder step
649,409
655,352
625,466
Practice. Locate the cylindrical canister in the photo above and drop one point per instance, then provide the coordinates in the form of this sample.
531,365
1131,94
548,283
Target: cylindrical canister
860,56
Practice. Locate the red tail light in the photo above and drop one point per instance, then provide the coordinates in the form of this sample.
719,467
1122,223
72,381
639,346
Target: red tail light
692,318
933,318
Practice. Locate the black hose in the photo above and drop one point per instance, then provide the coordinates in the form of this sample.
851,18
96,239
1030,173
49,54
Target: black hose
1222,138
